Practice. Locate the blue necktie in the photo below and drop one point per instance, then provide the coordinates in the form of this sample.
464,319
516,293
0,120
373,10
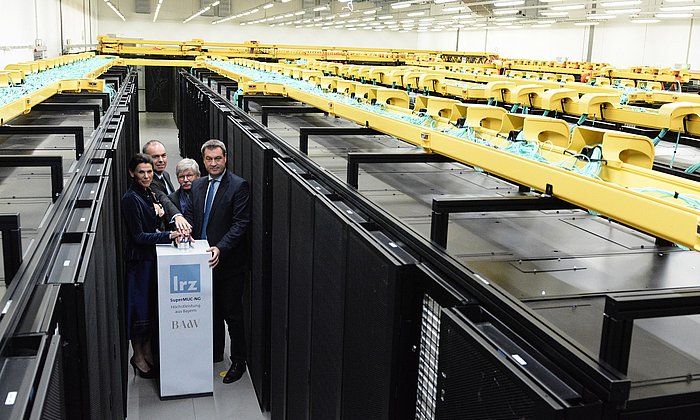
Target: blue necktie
207,207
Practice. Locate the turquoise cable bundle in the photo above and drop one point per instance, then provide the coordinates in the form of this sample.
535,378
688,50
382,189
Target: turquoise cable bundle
36,81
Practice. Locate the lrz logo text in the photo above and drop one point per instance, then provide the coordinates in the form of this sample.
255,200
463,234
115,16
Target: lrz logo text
185,279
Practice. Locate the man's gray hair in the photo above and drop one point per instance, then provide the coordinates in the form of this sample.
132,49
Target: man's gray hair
213,144
186,164
149,143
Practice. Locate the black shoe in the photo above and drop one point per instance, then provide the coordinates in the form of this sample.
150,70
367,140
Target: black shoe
137,371
235,372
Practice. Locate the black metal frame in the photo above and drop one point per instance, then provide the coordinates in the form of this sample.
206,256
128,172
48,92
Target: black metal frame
622,309
53,162
305,132
442,207
66,106
288,109
62,97
354,160
76,131
244,100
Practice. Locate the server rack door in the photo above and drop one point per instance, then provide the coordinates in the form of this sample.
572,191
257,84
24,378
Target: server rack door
279,293
329,271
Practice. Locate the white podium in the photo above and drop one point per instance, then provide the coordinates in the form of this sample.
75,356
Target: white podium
185,321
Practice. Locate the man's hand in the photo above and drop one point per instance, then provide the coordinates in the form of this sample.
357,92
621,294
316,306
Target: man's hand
182,225
214,260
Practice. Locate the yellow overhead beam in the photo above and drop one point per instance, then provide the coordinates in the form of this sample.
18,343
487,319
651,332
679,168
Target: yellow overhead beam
617,193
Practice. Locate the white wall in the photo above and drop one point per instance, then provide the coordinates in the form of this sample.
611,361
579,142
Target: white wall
662,44
27,20
621,44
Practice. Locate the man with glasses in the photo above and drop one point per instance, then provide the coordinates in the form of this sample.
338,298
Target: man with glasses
187,171
219,212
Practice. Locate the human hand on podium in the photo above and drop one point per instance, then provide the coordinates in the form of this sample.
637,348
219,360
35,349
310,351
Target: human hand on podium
214,260
182,225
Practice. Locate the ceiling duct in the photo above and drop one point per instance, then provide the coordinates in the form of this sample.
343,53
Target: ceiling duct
142,6
479,8
225,8
222,10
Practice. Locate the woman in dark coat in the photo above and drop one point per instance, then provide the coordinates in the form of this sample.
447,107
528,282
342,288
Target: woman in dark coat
142,213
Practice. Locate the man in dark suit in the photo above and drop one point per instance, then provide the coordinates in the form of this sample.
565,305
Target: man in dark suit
161,185
219,212
187,171
161,179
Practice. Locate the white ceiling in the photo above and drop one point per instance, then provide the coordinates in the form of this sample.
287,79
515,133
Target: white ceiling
412,15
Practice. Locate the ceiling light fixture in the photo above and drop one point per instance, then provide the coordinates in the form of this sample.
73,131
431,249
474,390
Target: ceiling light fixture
644,21
414,14
403,4
206,9
625,3
506,12
155,16
542,25
673,15
115,10
622,11
586,23
320,8
554,14
383,17
509,3
678,8
600,16
568,7
268,5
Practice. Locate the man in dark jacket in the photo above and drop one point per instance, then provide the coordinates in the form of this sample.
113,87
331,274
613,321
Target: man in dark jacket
161,178
187,171
220,213
161,185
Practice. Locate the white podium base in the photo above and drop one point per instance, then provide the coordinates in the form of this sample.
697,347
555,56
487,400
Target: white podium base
185,321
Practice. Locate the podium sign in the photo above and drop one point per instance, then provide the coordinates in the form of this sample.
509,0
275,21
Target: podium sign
185,320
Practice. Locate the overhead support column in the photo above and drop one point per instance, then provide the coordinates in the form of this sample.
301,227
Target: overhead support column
76,131
442,207
305,132
354,160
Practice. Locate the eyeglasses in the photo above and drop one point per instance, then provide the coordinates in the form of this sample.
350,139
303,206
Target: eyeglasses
186,176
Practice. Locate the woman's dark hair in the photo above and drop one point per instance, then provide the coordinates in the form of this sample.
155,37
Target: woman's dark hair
138,159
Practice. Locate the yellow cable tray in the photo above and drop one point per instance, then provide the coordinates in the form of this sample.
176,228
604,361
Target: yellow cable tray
628,158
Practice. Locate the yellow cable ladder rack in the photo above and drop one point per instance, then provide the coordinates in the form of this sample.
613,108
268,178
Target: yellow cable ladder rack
626,189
